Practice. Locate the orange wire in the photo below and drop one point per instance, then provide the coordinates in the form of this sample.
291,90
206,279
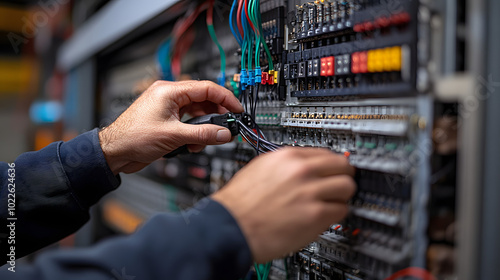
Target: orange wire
414,272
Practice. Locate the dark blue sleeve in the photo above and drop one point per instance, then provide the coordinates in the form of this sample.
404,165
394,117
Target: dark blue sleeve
53,189
199,244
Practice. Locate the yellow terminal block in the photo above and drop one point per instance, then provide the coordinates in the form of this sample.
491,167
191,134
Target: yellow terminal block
275,74
396,58
272,73
387,61
379,60
370,61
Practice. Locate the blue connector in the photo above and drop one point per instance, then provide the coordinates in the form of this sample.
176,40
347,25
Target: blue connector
258,75
244,79
222,79
251,78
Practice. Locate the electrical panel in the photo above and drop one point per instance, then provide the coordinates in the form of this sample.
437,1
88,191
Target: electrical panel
352,76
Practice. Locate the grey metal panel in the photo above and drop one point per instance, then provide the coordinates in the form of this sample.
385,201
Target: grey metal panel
470,162
490,247
79,103
115,20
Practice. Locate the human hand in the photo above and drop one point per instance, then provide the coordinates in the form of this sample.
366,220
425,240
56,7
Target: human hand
151,126
285,199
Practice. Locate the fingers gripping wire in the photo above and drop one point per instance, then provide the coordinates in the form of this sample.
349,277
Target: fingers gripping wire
242,124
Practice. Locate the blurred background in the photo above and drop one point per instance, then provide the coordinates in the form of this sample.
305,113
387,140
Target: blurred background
67,66
31,85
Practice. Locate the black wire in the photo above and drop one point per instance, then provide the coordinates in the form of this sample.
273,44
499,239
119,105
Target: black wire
255,137
248,141
251,142
259,135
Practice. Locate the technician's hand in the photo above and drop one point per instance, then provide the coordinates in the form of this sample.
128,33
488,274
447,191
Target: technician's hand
151,126
284,200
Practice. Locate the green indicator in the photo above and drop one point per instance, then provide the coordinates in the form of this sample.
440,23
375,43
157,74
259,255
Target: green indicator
171,194
370,145
391,146
409,148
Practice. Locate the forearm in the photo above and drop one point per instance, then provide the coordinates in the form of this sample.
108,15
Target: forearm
202,243
54,189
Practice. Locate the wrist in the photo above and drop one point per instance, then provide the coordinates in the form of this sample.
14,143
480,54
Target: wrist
114,160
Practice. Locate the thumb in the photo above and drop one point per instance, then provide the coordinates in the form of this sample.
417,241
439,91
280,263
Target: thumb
204,134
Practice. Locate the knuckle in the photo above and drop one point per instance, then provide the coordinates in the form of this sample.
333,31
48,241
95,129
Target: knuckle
157,84
346,180
343,161
317,212
303,170
207,84
204,135
306,194
347,183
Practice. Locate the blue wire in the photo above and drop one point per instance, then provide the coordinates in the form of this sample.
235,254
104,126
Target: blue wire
236,32
162,55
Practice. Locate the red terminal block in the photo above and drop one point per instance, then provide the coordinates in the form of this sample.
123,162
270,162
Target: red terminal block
359,62
382,22
369,26
265,77
331,65
355,63
400,18
327,66
355,232
323,67
363,62
359,28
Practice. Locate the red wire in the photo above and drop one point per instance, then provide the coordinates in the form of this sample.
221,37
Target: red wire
181,44
238,18
414,272
210,13
182,48
248,18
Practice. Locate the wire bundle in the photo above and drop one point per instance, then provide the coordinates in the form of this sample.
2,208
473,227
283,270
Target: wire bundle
172,50
211,30
256,138
246,25
262,270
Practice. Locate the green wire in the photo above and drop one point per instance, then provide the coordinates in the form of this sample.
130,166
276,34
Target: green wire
254,19
211,30
243,50
266,48
249,54
250,41
257,270
267,269
263,270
